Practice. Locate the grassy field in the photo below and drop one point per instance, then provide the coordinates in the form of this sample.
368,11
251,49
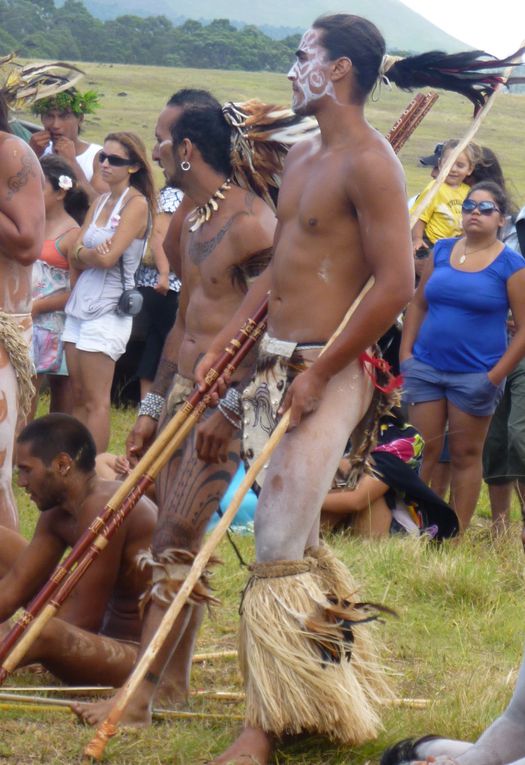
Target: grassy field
457,643
133,96
459,636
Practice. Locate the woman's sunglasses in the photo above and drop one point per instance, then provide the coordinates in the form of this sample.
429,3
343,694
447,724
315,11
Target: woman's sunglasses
485,208
113,159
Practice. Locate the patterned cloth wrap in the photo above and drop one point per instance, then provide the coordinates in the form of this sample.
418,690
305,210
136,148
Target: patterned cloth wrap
47,348
278,363
396,460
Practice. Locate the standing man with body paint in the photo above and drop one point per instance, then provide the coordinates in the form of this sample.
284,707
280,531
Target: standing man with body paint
342,218
21,238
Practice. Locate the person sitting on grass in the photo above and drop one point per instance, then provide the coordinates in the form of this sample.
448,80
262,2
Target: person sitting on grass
391,498
93,638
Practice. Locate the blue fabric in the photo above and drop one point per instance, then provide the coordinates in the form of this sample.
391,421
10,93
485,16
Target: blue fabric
243,521
465,326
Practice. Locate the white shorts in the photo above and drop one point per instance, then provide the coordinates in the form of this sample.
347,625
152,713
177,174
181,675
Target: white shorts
108,334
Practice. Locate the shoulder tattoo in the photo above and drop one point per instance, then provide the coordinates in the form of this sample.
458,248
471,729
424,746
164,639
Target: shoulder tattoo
17,182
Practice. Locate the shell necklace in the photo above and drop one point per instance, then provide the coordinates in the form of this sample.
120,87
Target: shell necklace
466,254
203,213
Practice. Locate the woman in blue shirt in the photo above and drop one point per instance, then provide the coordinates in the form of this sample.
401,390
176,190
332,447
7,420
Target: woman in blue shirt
454,355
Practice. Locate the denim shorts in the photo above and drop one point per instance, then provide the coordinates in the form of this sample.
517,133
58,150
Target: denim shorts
471,392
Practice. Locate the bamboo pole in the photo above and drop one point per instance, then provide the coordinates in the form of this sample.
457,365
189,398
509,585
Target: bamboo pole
108,728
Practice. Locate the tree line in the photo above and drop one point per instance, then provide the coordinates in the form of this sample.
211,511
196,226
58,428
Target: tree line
39,29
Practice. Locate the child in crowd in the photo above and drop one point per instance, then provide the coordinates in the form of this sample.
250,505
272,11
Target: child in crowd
441,219
66,205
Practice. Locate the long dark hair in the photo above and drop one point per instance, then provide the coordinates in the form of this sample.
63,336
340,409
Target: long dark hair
76,201
142,180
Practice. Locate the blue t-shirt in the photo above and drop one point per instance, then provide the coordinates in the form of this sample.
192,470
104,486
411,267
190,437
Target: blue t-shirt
466,322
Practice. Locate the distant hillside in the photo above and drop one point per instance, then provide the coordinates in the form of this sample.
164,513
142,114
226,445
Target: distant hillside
402,27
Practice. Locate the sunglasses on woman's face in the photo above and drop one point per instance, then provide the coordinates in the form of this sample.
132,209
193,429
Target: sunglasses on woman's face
485,208
113,159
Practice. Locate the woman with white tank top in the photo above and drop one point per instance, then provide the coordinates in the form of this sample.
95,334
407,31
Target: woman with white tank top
113,235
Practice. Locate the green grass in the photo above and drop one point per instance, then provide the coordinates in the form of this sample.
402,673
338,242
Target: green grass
457,642
148,88
460,632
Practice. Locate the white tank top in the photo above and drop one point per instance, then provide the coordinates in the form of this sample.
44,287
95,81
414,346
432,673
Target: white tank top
85,160
98,290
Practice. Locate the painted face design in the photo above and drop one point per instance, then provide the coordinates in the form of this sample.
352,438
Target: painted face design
310,73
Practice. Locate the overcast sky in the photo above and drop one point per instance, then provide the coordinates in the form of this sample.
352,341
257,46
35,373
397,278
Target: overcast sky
497,26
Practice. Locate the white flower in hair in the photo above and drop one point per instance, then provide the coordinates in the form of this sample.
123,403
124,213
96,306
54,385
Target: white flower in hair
65,182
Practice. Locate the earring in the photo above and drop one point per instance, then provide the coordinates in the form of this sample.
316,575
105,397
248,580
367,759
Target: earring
129,170
185,165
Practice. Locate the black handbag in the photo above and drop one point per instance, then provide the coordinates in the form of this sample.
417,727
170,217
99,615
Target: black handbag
130,302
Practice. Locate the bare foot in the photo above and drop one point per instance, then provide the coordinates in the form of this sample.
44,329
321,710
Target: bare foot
253,747
136,714
172,696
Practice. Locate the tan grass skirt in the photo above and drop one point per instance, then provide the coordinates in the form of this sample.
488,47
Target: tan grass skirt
302,671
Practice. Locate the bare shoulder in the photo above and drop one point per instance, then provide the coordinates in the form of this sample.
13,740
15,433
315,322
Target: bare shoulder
373,166
135,203
13,151
253,225
301,148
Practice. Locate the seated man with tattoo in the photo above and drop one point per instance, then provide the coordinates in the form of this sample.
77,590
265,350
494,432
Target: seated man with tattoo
21,237
93,640
224,241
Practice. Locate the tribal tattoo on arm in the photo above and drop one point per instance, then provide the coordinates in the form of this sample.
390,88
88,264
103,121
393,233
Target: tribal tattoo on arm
164,375
16,182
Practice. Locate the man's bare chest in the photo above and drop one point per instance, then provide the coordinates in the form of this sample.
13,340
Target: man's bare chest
314,195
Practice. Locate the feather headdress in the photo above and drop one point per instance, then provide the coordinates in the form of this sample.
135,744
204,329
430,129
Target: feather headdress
262,135
23,85
471,73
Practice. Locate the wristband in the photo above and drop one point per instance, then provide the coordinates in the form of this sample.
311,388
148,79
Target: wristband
235,421
151,406
76,253
233,402
231,407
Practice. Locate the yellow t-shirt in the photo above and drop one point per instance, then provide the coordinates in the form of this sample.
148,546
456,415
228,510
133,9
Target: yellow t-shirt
443,215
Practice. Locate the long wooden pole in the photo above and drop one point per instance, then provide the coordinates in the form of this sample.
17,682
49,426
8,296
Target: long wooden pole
46,604
108,728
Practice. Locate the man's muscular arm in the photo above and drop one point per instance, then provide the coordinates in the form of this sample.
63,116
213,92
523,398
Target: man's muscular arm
31,569
143,432
22,212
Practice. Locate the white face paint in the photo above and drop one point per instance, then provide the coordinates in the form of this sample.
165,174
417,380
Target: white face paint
310,75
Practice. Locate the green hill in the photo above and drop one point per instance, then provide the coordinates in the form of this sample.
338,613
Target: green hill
403,28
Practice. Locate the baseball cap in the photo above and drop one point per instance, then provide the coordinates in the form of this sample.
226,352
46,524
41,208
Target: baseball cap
434,158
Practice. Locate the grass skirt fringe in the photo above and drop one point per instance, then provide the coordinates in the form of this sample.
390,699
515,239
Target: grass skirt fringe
295,657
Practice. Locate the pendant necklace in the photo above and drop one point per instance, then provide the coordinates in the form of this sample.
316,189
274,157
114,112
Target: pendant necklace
203,213
465,255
